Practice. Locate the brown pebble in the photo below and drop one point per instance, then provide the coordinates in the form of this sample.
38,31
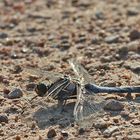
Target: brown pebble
17,69
134,34
18,138
110,97
16,118
6,91
116,120
51,133
30,86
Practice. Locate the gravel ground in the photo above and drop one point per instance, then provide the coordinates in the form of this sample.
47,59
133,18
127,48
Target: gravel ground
102,35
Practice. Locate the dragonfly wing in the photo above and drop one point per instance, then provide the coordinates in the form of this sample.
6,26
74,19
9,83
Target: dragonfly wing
44,74
88,108
80,71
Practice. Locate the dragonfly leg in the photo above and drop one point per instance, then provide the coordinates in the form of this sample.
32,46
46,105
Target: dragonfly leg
64,104
61,105
129,96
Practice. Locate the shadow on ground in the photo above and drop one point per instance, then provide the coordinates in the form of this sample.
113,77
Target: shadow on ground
46,117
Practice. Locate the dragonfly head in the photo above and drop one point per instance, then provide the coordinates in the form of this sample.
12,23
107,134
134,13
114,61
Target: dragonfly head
41,89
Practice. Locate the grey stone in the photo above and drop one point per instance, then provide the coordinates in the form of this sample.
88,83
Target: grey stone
3,35
108,132
113,105
112,39
100,15
3,118
134,66
132,11
133,46
16,93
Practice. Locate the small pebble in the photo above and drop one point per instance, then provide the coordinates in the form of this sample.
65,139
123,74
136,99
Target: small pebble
16,118
24,50
95,40
64,133
31,29
114,105
2,99
133,46
79,46
17,138
12,109
16,93
17,69
112,39
64,37
100,124
51,133
109,83
134,34
135,122
3,35
81,131
6,91
3,118
1,132
99,15
132,11
116,120
14,55
65,46
123,51
30,86
108,132
105,59
133,65
72,125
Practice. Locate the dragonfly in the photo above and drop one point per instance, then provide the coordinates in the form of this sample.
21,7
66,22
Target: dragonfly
89,103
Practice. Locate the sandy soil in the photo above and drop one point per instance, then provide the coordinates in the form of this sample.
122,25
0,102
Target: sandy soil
102,35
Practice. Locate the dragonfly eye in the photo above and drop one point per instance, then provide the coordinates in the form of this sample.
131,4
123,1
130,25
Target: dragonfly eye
41,89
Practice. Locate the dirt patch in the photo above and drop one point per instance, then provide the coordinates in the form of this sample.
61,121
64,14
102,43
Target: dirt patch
102,35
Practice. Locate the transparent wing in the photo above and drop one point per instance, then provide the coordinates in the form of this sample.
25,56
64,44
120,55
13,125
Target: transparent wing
44,74
88,108
80,71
